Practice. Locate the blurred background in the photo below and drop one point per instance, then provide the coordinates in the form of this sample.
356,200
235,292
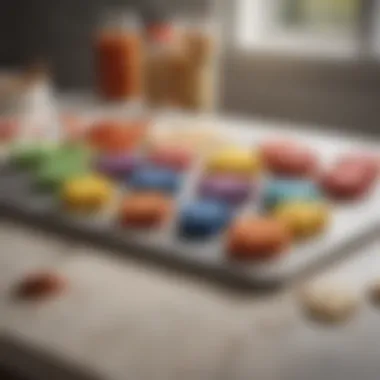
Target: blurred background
297,61
304,60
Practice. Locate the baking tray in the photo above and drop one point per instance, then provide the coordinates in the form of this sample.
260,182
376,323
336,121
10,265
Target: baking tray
351,222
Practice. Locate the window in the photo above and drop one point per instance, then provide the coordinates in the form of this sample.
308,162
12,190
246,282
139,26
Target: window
321,27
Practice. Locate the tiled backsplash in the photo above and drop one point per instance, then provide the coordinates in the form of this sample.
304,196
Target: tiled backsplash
61,32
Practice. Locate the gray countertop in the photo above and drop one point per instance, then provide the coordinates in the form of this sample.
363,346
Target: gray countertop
122,320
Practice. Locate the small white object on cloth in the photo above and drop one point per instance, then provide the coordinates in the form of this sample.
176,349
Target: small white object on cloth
39,112
329,302
374,291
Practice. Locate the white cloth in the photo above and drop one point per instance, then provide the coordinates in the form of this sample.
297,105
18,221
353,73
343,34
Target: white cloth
39,114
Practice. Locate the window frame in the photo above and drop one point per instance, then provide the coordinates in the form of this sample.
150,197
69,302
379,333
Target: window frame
365,43
338,93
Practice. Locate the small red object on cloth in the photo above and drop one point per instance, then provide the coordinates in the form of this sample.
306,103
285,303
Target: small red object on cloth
110,136
289,159
257,239
351,177
365,162
8,130
175,158
145,210
40,285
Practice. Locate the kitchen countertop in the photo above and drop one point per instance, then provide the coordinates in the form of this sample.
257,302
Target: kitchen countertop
120,319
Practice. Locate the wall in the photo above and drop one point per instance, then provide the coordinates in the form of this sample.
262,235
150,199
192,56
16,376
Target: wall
62,32
10,33
342,94
327,93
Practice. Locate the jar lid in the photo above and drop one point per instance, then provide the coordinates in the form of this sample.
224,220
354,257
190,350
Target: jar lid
160,32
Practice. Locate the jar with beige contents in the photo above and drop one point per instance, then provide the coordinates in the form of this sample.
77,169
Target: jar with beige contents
200,65
161,46
181,67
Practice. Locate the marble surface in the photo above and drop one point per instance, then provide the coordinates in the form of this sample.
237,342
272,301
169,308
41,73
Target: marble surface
120,319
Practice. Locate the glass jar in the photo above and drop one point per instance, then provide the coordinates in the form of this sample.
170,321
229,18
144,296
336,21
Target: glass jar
157,76
181,67
119,57
200,44
162,50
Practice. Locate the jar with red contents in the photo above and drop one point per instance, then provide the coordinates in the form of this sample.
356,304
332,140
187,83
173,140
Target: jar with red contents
119,57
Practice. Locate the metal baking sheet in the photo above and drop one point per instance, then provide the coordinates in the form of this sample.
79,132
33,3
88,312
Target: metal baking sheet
350,223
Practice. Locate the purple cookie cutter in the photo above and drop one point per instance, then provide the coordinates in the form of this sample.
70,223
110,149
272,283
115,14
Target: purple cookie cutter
228,189
120,166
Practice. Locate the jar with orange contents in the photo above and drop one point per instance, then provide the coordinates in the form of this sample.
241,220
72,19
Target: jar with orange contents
119,57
